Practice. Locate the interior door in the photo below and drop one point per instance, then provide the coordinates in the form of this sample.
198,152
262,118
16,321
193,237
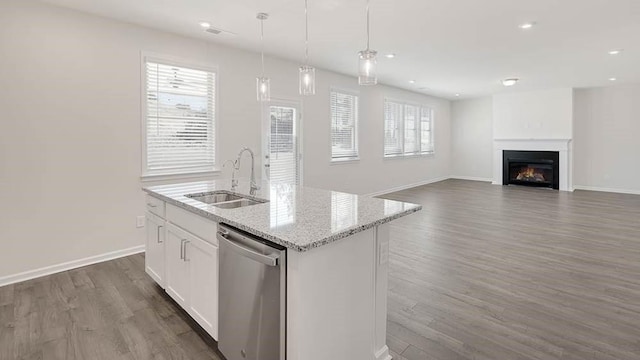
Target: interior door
282,142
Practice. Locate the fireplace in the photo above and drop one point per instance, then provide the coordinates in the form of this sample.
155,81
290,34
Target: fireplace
531,168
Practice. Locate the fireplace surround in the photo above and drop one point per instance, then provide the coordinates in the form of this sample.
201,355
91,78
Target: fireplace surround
531,168
562,146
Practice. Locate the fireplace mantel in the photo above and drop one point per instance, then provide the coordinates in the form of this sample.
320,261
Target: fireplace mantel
562,146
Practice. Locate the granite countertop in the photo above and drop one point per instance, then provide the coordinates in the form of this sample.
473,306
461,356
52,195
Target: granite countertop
299,218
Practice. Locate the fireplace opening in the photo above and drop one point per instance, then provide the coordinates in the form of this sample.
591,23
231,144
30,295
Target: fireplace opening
531,168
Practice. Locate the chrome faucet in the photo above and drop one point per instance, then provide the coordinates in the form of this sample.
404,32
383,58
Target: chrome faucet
254,185
234,181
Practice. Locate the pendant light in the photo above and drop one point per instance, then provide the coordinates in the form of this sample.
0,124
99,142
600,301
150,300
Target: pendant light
307,79
263,83
367,62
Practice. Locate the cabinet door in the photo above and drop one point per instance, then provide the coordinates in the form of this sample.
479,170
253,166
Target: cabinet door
203,303
177,269
154,251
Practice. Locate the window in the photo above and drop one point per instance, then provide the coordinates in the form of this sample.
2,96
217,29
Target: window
179,119
408,129
344,126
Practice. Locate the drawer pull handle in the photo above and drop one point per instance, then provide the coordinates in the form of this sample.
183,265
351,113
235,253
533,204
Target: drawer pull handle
151,205
158,234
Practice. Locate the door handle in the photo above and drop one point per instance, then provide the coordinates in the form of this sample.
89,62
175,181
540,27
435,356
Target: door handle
186,242
158,234
269,260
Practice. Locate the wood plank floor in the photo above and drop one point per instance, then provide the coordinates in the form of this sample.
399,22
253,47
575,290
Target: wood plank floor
483,272
493,272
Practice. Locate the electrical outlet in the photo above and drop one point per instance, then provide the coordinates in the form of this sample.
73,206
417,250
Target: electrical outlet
140,221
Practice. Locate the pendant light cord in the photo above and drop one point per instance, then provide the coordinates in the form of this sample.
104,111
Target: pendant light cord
262,44
367,24
306,32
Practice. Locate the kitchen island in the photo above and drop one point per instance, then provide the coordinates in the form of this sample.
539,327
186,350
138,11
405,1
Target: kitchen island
337,248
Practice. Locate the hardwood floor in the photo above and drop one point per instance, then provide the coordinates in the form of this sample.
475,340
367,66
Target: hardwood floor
111,310
483,272
492,272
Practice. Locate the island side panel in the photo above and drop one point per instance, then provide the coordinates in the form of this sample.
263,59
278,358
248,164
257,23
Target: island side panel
331,295
381,291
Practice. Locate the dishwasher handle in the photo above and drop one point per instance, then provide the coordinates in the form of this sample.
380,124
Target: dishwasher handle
269,260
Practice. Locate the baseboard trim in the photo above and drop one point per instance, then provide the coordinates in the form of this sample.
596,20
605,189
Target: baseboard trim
70,265
408,186
471,178
610,190
383,354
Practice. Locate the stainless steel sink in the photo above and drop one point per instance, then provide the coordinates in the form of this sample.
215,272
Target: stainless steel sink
224,199
214,197
237,204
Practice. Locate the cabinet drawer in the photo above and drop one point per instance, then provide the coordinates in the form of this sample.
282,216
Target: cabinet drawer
155,206
201,227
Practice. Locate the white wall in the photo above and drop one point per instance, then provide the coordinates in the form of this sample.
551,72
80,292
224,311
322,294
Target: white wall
472,138
70,149
606,141
544,114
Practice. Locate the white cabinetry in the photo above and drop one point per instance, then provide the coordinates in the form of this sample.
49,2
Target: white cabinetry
154,257
177,267
203,274
184,264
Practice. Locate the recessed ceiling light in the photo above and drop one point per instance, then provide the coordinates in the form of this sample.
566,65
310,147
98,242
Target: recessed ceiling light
527,25
615,52
510,82
457,95
613,79
205,25
390,56
412,81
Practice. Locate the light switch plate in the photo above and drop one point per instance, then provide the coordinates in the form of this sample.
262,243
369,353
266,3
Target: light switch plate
140,221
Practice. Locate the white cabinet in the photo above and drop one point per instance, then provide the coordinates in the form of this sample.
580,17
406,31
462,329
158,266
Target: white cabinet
154,254
177,284
192,276
203,273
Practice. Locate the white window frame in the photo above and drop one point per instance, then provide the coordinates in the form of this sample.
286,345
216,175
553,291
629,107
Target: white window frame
401,130
345,160
180,62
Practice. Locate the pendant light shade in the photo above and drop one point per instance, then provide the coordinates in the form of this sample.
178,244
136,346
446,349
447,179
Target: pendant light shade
367,61
263,83
263,87
367,69
307,80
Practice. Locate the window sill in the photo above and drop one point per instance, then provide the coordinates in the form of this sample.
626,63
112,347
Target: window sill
340,161
180,176
410,156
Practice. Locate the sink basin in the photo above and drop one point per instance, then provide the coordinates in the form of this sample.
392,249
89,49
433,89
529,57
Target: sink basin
237,203
224,199
214,197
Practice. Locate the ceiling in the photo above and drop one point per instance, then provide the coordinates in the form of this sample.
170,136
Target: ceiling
446,46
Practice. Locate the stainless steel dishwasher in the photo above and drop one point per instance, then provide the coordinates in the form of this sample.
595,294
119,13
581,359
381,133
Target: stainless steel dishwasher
252,297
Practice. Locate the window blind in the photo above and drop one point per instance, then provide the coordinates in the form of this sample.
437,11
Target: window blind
408,129
283,157
180,119
393,114
426,131
344,126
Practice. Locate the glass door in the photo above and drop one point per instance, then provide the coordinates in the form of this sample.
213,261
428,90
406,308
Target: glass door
283,157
